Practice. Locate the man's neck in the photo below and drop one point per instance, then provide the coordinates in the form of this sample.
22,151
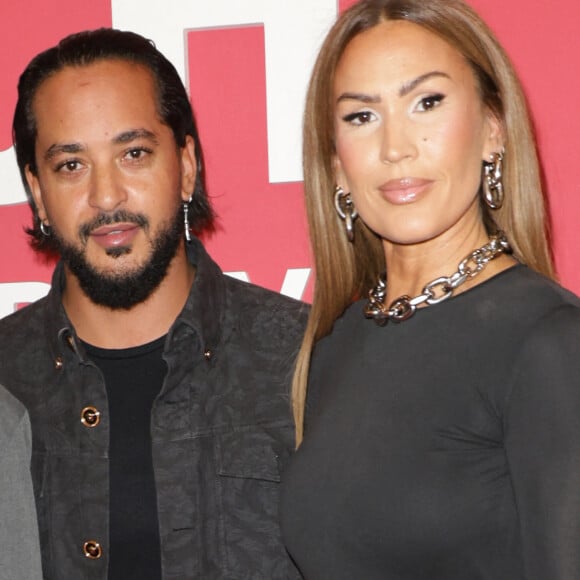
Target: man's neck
115,329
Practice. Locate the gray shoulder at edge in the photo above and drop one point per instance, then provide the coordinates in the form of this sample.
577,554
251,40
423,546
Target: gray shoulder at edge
12,412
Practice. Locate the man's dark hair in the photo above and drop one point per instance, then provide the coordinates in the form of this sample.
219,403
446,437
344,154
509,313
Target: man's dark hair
88,47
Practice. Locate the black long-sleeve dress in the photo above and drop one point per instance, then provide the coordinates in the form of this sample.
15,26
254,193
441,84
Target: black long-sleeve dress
444,447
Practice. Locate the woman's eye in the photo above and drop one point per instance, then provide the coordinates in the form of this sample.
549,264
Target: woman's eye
430,102
359,118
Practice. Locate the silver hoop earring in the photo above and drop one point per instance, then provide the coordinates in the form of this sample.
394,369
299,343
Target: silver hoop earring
45,229
492,181
186,228
345,209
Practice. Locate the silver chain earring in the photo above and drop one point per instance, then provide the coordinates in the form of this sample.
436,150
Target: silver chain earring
345,209
186,227
492,181
45,229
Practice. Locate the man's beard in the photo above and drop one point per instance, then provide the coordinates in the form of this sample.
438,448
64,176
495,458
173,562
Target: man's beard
123,290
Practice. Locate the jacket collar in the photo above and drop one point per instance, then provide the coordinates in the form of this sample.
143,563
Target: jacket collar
203,312
205,308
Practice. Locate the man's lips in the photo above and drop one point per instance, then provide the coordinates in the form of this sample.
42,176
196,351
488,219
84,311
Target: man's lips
114,235
404,190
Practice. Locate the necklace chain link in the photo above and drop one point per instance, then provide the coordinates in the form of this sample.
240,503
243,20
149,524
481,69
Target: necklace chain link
437,290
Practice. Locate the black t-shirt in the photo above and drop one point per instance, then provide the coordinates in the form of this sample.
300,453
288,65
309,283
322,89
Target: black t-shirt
133,378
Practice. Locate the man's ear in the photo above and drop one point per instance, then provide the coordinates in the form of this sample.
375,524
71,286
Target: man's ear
36,192
188,168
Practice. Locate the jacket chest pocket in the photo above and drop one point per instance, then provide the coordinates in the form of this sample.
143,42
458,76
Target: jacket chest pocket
248,463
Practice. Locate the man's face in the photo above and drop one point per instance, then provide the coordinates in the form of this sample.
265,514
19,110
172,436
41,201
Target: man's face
110,178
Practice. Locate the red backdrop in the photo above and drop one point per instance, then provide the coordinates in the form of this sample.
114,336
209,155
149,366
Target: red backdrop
261,232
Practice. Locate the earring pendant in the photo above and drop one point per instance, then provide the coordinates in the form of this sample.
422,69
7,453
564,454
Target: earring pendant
492,181
345,209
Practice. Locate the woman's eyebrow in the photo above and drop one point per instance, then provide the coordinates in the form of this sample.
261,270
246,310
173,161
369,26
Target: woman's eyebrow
362,97
404,90
410,85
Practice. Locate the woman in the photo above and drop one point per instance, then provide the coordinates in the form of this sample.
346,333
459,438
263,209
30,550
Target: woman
442,431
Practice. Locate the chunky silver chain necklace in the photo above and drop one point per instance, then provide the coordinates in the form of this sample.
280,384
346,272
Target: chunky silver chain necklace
435,291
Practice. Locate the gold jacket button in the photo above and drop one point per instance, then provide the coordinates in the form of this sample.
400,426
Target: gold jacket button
58,363
92,550
90,416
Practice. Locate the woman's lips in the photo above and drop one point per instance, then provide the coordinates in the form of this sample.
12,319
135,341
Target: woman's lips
404,190
115,235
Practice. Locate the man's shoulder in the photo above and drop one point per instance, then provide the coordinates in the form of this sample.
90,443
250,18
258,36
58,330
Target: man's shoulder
248,295
264,317
22,324
30,312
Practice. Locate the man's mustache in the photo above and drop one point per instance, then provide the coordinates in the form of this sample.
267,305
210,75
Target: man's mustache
107,219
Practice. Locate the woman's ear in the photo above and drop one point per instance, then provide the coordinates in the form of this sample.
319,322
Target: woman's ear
339,176
494,142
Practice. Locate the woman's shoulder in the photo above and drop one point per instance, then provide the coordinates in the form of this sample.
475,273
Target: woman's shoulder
547,340
544,299
343,328
546,365
543,288
517,297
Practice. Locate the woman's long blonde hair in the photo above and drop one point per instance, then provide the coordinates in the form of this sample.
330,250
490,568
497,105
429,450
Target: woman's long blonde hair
345,271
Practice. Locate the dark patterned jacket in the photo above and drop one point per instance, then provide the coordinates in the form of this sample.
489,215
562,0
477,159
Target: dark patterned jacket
221,429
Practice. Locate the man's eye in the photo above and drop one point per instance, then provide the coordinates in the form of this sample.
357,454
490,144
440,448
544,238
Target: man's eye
359,118
137,153
69,166
430,102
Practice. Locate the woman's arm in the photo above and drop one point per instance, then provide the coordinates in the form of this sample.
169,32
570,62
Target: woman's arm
542,435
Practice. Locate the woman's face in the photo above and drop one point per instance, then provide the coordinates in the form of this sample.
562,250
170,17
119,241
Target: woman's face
411,133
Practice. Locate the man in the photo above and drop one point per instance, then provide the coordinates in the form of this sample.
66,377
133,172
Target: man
158,388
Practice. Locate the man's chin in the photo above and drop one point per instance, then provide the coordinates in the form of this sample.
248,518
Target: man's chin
119,290
112,269
118,278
